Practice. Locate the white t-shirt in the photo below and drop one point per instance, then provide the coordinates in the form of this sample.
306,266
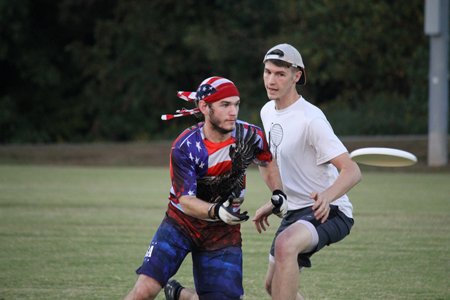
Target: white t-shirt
303,142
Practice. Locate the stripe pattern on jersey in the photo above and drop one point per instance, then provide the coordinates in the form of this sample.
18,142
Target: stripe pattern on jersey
195,159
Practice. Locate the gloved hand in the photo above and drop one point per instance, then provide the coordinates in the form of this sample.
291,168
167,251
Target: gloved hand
279,200
224,211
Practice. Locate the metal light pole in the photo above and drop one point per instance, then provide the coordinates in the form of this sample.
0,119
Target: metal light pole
436,26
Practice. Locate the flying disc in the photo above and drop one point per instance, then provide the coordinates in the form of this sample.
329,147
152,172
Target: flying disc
383,157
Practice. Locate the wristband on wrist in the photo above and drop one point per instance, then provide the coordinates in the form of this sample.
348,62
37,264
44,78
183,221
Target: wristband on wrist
209,211
216,211
278,192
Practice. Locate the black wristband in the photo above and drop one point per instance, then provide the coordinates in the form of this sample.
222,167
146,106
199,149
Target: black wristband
216,211
279,192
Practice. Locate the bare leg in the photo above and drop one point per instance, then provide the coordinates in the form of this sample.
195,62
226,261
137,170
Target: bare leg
269,278
146,288
286,276
188,294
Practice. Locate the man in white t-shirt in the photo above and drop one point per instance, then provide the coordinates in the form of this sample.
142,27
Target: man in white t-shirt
316,171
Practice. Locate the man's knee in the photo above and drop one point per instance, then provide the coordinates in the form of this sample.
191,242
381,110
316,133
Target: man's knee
146,288
292,241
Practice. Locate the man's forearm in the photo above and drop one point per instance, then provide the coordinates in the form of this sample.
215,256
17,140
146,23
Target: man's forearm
271,176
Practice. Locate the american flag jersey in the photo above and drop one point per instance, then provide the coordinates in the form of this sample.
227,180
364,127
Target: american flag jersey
194,159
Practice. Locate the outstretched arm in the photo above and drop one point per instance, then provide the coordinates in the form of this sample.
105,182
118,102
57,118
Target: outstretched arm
271,175
272,178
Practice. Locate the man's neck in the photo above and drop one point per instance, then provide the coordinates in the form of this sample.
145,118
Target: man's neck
288,100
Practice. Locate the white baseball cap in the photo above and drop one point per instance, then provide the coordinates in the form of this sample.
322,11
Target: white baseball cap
288,54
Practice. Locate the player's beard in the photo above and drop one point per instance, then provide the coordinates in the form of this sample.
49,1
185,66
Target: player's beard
216,123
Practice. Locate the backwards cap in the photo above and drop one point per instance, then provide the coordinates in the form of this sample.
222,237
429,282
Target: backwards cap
210,90
289,54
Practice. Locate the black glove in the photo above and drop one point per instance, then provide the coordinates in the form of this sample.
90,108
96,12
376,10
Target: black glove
224,211
245,148
279,200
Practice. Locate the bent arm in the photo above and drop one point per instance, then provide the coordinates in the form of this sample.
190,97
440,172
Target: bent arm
222,210
195,207
349,176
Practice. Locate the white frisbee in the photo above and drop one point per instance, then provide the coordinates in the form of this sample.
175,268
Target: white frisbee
383,157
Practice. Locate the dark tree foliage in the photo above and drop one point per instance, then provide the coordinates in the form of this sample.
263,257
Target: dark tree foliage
98,70
40,85
368,62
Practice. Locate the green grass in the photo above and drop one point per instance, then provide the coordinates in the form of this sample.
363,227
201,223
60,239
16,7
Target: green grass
80,232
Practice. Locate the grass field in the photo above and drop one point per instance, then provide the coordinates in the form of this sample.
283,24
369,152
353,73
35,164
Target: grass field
80,232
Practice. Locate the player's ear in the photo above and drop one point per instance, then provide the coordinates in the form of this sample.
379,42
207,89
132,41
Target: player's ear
203,106
297,75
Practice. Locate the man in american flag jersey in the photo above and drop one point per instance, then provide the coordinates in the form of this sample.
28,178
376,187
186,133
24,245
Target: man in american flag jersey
208,164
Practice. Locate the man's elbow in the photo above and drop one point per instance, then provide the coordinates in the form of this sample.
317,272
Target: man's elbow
357,174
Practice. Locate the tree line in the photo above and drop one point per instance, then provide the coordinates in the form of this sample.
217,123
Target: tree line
106,70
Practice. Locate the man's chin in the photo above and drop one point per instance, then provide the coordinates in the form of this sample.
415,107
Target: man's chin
224,130
271,96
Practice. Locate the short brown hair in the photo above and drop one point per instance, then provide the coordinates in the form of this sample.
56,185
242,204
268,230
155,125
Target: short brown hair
284,64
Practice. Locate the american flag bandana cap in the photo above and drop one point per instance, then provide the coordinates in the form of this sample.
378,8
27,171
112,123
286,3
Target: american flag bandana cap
210,90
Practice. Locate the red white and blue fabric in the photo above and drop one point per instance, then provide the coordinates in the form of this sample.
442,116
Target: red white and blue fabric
210,90
194,158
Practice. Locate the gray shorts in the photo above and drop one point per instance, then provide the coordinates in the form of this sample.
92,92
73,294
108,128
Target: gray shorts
335,228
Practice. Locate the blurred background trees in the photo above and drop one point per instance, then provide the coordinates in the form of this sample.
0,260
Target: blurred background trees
98,70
